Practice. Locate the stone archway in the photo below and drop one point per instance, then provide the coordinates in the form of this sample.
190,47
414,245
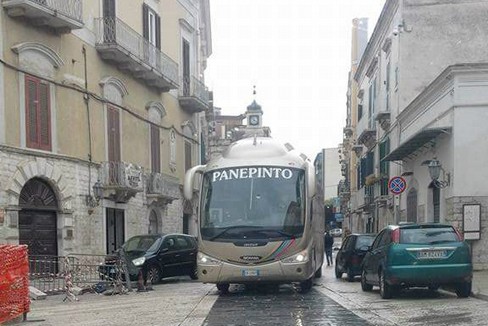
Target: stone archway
38,218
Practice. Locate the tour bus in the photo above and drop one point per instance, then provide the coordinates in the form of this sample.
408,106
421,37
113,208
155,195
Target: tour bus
260,217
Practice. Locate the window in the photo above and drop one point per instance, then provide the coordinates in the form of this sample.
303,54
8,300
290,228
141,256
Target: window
188,162
38,113
155,149
384,166
360,111
387,85
186,68
151,28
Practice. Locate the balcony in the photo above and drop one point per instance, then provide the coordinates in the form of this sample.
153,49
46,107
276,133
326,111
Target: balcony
118,43
121,181
162,189
367,138
193,96
61,15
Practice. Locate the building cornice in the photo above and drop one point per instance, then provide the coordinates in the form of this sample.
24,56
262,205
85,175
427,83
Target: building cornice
376,41
443,83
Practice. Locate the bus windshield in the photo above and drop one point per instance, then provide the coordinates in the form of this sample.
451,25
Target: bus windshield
258,202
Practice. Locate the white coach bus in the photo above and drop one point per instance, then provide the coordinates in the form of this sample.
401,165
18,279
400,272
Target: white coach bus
260,217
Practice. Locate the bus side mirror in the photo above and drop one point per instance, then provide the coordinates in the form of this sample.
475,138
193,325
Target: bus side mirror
311,179
189,180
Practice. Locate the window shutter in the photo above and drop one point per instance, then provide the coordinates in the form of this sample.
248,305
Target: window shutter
188,163
145,21
158,32
113,135
31,114
155,149
44,117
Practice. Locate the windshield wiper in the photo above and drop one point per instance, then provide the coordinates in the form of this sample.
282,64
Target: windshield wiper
231,228
285,234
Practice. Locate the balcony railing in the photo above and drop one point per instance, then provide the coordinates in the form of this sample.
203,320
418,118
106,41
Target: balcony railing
118,42
62,15
163,187
121,180
194,95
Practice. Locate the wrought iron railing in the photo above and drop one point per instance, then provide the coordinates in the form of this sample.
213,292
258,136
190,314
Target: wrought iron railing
58,274
113,31
70,8
193,87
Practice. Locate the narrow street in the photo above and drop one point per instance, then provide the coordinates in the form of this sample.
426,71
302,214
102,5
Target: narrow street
180,301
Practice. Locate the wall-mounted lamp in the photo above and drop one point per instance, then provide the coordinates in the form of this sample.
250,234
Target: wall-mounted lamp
435,168
94,200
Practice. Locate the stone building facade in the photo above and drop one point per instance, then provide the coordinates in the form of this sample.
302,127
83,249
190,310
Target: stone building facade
420,102
100,117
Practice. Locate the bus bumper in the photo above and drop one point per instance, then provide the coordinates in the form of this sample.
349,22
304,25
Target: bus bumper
275,272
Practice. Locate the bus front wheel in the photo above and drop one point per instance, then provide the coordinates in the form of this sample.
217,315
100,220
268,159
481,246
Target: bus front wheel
306,285
223,287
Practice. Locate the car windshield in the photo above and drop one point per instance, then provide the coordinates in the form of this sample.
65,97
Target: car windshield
428,235
142,244
364,240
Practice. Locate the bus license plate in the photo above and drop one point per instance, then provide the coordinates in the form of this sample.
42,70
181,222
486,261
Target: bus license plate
250,272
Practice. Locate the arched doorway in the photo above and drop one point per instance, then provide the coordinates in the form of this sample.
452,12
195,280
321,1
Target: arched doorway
153,223
412,206
38,219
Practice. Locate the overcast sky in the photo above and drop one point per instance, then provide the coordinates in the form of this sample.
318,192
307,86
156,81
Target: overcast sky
297,53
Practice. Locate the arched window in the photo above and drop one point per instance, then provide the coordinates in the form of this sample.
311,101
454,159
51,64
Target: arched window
36,100
156,112
172,144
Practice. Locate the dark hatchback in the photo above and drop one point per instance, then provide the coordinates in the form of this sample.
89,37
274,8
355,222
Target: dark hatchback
418,255
157,256
350,256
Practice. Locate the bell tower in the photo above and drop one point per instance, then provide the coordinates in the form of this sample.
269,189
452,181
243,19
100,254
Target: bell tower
254,113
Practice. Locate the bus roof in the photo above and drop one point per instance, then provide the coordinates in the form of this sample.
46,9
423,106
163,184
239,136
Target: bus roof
258,151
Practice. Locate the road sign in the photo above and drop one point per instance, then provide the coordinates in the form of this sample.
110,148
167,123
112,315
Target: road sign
397,185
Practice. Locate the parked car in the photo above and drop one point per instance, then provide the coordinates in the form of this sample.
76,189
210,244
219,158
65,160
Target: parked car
336,232
157,256
418,255
350,256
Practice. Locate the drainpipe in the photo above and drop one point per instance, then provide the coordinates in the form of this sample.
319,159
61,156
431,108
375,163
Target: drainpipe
87,104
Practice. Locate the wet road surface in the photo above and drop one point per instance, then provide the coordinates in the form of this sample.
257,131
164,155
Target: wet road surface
284,306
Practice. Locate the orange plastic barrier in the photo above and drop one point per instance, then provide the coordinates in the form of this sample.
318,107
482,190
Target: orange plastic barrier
14,282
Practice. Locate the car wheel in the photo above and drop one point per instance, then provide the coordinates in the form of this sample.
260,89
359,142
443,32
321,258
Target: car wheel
338,273
318,272
194,273
154,274
385,288
306,285
364,285
223,287
350,275
463,290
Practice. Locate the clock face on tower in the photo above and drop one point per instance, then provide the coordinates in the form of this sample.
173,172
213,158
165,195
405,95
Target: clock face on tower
253,120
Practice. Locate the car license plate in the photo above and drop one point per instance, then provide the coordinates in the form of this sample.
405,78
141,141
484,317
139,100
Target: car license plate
250,272
432,254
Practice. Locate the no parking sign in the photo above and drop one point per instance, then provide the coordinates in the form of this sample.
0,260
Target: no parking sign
397,185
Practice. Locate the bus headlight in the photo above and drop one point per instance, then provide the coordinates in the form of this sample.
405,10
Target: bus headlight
301,257
207,260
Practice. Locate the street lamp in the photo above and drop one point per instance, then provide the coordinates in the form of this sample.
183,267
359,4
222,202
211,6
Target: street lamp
98,191
435,168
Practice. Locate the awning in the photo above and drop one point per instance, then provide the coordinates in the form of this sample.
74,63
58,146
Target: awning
414,143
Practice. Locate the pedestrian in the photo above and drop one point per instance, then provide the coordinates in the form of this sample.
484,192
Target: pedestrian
328,242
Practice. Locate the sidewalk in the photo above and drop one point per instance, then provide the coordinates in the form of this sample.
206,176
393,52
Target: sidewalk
480,285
